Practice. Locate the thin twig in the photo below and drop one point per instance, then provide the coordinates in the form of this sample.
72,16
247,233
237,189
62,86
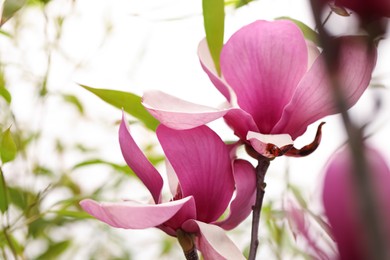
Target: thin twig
261,170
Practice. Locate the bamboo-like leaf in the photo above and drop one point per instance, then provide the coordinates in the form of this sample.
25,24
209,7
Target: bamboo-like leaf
4,195
214,22
55,250
74,101
8,149
129,102
10,8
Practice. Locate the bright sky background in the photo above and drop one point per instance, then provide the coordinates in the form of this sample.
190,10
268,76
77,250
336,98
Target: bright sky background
152,44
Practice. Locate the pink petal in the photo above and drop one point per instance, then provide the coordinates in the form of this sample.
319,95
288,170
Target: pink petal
180,114
212,241
208,66
314,97
300,226
134,215
137,161
263,62
341,202
260,142
241,122
241,206
202,164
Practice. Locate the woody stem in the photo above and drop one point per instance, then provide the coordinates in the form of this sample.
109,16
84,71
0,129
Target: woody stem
186,242
261,170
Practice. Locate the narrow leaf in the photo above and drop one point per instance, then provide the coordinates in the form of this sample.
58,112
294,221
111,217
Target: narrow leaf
8,148
55,250
10,8
74,101
214,22
117,167
309,33
129,102
4,195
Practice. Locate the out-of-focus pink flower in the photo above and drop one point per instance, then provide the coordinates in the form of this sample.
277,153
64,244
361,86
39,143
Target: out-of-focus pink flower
342,208
341,203
276,85
367,9
203,178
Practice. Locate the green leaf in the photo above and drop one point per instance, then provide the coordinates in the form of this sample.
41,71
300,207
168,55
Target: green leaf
74,101
4,195
5,94
121,168
8,147
73,214
298,195
10,8
129,102
309,33
55,250
214,22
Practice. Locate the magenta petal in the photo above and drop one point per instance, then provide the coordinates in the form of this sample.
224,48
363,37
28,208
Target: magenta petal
342,205
202,164
241,122
133,215
263,63
212,241
137,161
314,98
208,66
177,113
241,206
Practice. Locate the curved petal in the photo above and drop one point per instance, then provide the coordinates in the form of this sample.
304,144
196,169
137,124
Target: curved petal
314,98
134,215
241,206
177,113
342,205
263,62
202,164
269,145
137,161
241,122
208,66
212,241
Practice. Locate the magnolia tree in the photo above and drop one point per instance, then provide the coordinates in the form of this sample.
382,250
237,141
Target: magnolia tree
277,77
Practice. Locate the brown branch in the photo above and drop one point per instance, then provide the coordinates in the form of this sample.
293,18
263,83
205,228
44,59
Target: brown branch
261,170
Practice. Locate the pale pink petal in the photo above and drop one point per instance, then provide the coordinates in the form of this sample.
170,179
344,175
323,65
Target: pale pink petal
263,63
300,226
202,164
137,161
212,241
314,97
173,181
241,122
180,114
208,66
341,202
241,206
134,215
260,142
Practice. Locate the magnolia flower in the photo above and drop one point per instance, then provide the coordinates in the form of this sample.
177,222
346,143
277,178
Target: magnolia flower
276,85
341,202
202,179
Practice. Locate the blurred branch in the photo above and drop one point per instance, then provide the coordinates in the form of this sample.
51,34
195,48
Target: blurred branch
364,192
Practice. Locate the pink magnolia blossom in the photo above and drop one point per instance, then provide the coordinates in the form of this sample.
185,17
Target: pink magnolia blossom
275,83
203,178
341,202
